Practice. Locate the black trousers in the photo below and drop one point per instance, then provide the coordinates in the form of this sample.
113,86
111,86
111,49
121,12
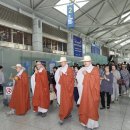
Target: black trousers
103,99
76,94
120,89
1,89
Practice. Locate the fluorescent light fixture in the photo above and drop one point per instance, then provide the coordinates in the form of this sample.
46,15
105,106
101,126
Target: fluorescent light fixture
127,19
62,5
125,43
126,16
118,41
19,27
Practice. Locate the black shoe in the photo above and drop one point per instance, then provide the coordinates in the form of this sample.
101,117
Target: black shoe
69,116
108,107
51,102
38,113
77,105
102,108
43,114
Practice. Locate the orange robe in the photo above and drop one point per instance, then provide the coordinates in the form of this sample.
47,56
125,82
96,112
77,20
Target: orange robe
89,103
41,96
20,99
66,95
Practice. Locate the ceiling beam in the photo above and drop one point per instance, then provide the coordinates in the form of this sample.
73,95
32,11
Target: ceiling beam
102,5
87,15
125,46
119,43
39,4
120,36
32,4
122,11
89,10
112,5
107,22
103,26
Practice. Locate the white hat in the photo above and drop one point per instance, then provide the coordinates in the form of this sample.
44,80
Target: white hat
87,58
62,59
17,65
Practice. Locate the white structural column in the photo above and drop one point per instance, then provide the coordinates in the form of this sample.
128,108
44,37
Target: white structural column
37,35
84,42
70,48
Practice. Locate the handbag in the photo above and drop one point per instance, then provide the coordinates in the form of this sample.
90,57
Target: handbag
52,95
119,81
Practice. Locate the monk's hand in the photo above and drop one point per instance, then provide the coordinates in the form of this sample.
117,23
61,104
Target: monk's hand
84,72
16,78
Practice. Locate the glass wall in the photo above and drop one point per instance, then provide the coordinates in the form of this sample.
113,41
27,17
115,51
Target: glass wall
54,46
5,34
20,37
15,36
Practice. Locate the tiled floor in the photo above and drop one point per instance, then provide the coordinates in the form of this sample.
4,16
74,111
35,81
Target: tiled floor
117,118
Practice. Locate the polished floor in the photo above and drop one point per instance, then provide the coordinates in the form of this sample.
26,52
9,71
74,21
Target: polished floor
117,118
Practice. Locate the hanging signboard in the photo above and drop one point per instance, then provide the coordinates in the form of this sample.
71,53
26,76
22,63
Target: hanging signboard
70,15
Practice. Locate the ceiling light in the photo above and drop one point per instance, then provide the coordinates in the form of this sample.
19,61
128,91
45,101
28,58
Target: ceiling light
125,43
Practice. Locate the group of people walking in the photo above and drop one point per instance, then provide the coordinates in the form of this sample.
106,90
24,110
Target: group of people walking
85,85
88,84
114,82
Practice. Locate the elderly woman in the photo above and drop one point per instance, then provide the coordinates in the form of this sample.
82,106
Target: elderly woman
116,77
125,77
106,87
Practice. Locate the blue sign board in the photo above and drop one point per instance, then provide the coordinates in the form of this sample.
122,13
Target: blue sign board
70,15
95,49
77,44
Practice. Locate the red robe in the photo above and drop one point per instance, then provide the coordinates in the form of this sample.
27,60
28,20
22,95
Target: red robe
66,95
41,96
20,99
89,103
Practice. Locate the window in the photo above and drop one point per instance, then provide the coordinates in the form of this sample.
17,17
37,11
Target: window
5,34
44,42
54,45
27,39
48,43
60,46
65,47
17,37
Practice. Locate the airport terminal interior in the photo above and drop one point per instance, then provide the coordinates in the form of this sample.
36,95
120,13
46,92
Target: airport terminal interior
45,31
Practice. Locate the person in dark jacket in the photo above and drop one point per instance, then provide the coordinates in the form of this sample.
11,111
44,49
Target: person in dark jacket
106,87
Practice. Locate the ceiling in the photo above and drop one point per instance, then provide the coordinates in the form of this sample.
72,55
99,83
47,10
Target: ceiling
98,19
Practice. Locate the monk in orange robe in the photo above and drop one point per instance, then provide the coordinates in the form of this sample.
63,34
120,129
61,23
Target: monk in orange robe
20,99
65,79
89,94
41,97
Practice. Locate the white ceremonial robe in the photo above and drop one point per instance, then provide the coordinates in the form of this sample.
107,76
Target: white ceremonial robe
33,83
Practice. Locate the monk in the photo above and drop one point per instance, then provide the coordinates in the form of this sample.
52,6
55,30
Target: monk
89,94
65,80
20,99
41,97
